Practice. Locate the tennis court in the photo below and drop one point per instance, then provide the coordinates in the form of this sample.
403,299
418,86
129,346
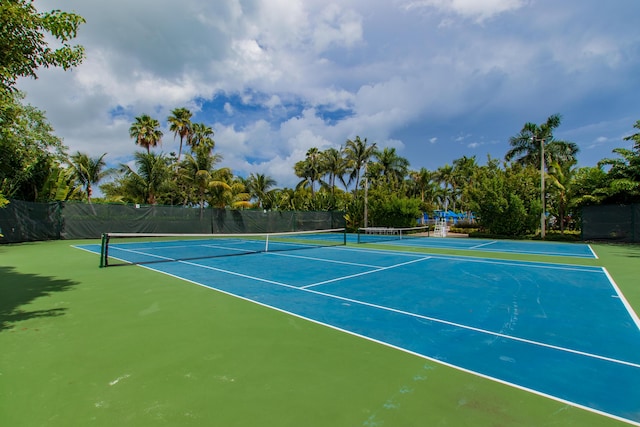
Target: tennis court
561,331
573,250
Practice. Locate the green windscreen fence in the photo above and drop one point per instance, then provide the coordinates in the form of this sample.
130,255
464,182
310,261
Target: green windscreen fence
25,221
30,221
616,223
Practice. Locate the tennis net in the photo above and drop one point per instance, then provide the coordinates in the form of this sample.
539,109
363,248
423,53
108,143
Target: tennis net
382,234
146,248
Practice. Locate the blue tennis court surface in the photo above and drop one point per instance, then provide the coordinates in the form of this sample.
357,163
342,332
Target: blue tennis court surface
562,331
575,250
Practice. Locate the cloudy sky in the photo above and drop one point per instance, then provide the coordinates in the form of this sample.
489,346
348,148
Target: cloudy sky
436,79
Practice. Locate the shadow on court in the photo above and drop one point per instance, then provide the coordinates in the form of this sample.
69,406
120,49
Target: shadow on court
629,251
18,290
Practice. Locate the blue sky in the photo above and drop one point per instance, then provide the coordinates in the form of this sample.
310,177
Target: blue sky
435,79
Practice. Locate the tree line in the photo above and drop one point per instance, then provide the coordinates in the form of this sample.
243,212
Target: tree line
372,185
537,178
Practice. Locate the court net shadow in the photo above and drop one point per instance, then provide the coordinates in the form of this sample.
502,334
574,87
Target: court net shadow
17,290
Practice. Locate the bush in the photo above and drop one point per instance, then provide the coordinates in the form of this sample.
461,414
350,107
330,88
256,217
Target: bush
463,230
556,236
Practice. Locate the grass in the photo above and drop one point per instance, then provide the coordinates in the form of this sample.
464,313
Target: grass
130,347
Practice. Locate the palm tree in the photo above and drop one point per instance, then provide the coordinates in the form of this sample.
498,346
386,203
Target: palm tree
201,136
259,186
444,175
422,179
624,172
61,184
534,145
358,154
227,190
152,171
334,165
635,137
309,169
199,172
560,179
88,171
220,188
392,167
145,130
623,175
464,169
180,125
533,140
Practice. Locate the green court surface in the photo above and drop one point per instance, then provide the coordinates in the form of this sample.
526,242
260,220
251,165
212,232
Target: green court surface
128,346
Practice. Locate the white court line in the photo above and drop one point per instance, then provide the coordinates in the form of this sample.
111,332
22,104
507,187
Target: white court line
142,253
364,273
226,248
533,264
482,331
457,246
332,261
626,304
478,259
246,276
484,244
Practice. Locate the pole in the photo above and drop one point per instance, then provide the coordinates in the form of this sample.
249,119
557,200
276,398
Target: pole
366,196
542,215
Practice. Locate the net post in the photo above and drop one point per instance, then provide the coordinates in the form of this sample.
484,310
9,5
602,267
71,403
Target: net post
344,242
266,245
103,250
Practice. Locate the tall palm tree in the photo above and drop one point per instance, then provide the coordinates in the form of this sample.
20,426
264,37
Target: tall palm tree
201,136
145,130
444,175
393,167
309,169
464,170
259,186
358,154
422,179
334,165
180,125
534,145
533,139
89,171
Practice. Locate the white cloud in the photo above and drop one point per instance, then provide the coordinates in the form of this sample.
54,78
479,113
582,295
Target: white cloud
398,76
273,102
337,27
478,10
